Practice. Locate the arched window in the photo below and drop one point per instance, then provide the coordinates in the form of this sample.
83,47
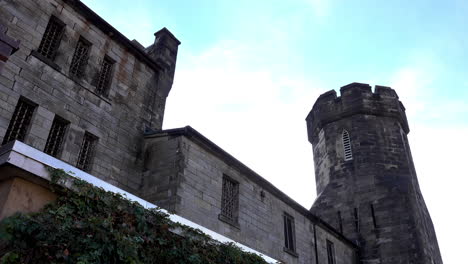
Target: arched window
348,154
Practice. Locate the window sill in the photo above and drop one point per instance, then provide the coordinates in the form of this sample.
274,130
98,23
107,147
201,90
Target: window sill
290,252
229,221
46,60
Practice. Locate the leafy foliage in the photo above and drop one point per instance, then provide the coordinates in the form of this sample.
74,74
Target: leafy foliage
91,225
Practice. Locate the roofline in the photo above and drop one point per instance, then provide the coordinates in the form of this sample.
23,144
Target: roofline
105,27
197,137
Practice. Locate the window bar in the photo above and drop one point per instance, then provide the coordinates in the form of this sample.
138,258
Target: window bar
20,121
51,38
86,152
56,136
80,58
104,76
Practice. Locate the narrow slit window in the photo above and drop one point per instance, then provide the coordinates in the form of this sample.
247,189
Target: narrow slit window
289,233
230,200
104,77
80,58
330,252
340,222
374,221
356,219
20,121
87,152
348,154
56,136
51,39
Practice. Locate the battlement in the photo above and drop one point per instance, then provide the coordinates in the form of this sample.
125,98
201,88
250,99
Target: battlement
356,98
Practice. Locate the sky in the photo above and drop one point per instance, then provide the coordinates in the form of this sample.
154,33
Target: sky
248,73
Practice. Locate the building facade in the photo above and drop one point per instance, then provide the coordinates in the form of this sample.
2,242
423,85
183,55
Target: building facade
78,90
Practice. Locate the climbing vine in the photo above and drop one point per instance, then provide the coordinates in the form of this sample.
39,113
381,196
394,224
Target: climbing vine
91,225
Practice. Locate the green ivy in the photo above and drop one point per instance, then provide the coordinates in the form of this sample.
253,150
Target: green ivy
91,225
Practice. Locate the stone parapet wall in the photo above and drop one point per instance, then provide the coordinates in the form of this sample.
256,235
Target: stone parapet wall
356,98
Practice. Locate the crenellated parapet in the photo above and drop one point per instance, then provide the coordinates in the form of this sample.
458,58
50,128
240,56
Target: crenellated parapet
356,98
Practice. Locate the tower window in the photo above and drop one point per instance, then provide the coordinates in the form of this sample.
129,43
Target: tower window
356,219
104,77
348,154
51,39
87,152
230,200
374,220
340,222
80,58
56,136
330,252
20,121
289,233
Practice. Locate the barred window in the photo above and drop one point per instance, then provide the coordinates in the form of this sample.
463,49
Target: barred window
20,121
230,200
56,136
51,39
289,233
330,252
105,75
87,152
80,58
348,155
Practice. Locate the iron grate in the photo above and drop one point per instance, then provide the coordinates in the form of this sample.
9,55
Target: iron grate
348,154
51,39
56,136
80,58
230,199
104,76
289,233
20,121
87,152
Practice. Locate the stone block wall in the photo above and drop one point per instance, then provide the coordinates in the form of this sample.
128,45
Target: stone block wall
134,103
192,173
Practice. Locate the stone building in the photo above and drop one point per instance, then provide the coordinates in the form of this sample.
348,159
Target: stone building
79,91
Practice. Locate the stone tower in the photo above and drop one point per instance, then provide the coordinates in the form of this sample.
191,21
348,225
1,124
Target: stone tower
366,181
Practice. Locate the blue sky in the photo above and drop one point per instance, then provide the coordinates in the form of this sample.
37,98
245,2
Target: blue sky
248,72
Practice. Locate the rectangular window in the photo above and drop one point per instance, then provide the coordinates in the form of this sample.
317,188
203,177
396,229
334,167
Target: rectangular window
289,233
20,121
51,39
230,200
87,152
56,136
104,77
330,252
80,58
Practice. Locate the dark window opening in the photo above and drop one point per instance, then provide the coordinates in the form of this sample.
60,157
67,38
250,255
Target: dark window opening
20,121
87,152
289,233
51,39
330,252
56,136
340,222
230,200
80,58
104,77
356,219
374,221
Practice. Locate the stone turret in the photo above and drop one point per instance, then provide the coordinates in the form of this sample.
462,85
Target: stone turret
366,182
164,52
